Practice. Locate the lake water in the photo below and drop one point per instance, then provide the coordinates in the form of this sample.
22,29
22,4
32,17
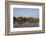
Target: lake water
26,25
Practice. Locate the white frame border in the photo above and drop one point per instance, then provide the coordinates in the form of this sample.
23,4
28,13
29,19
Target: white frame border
28,28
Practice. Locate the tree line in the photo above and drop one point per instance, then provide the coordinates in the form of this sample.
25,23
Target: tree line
21,20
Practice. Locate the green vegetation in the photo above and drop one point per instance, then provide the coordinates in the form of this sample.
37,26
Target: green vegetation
21,20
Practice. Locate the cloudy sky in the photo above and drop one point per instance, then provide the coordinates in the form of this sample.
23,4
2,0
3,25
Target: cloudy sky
25,12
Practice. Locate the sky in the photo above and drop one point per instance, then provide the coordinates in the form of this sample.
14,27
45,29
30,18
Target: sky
25,12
